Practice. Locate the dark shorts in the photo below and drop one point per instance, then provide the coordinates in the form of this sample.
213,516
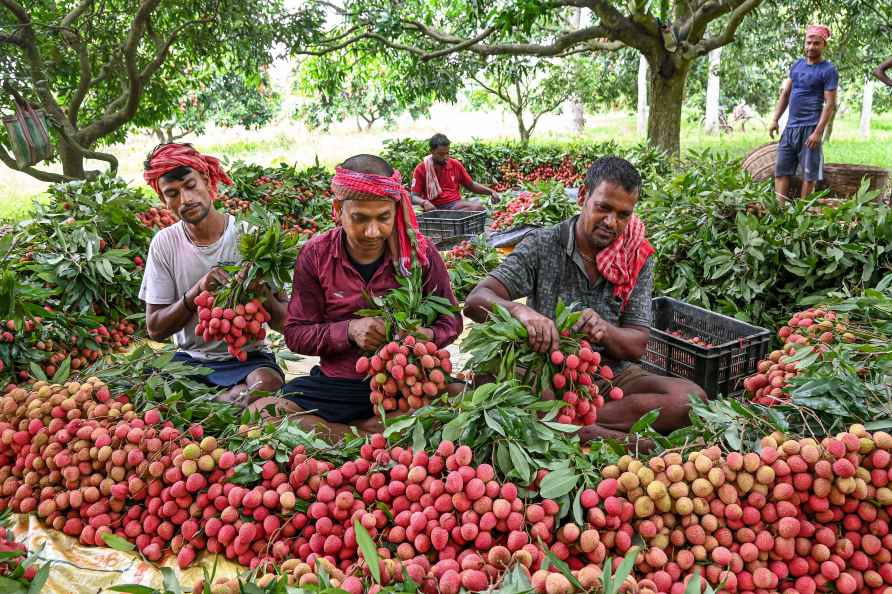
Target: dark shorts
231,372
337,400
794,158
630,372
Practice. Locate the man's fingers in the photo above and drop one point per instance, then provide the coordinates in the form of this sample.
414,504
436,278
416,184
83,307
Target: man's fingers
555,337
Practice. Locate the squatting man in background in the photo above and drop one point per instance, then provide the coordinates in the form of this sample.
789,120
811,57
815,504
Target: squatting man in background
601,259
184,260
438,180
810,93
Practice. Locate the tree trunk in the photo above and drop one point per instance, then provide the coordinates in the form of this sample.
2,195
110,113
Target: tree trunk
159,133
578,116
866,108
72,160
575,104
642,96
664,119
711,124
522,129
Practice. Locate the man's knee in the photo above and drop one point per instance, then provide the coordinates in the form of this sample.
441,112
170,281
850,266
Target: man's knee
265,379
679,392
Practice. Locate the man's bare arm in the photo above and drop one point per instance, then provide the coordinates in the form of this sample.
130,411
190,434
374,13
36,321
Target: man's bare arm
881,71
782,102
826,114
542,332
481,189
163,321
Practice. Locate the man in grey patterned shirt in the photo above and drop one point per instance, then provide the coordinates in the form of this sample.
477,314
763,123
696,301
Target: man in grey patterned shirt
562,263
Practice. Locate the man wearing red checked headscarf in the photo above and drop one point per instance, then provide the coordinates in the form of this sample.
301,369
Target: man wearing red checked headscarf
376,239
601,260
184,260
810,94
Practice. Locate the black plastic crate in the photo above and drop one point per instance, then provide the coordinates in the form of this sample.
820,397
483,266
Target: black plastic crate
442,224
720,369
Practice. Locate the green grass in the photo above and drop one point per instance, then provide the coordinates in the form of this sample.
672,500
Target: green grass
290,142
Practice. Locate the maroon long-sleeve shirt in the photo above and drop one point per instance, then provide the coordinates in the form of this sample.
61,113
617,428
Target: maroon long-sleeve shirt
328,291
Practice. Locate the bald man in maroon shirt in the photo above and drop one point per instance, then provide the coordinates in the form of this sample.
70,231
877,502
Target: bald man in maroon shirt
334,273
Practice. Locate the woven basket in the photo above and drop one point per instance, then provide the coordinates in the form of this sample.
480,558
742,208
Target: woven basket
759,162
843,179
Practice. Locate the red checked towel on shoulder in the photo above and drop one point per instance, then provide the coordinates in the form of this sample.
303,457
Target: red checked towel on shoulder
430,179
621,261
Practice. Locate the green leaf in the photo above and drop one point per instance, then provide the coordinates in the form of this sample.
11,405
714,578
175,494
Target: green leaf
515,581
117,543
63,372
40,579
171,583
564,569
8,586
558,483
418,439
519,460
493,424
369,552
645,421
693,586
398,426
37,372
879,424
625,568
578,514
133,589
454,428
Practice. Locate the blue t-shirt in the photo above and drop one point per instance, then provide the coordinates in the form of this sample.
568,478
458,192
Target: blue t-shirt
807,97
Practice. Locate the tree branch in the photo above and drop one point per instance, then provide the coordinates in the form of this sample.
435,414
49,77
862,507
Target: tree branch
492,91
75,14
44,176
18,10
557,47
727,36
11,39
457,44
334,48
73,38
122,108
37,72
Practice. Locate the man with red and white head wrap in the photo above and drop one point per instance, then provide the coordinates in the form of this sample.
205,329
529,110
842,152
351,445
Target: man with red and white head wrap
602,260
810,93
375,240
184,260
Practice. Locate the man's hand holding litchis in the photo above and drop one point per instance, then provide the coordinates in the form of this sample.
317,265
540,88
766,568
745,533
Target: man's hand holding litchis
592,325
367,333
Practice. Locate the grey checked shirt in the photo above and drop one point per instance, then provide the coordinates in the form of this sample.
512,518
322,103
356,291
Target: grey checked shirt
544,271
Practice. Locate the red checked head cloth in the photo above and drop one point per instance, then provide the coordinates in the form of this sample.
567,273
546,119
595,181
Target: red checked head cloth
168,157
406,240
621,261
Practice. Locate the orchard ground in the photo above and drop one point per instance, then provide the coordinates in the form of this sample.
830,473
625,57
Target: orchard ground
289,141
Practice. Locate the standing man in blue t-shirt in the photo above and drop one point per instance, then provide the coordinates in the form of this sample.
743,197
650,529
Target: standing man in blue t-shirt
810,92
